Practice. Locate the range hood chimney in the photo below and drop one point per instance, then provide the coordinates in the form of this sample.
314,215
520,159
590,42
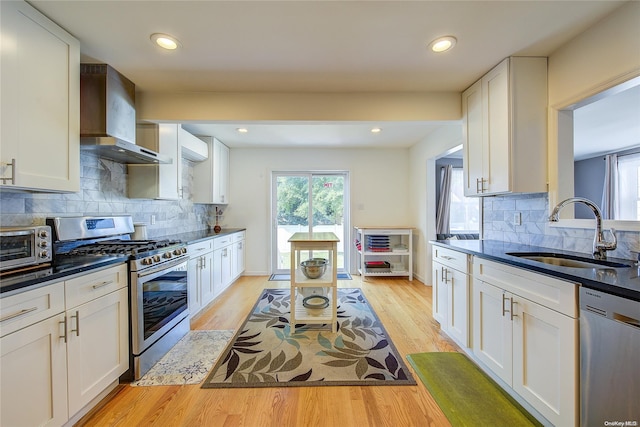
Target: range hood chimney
108,117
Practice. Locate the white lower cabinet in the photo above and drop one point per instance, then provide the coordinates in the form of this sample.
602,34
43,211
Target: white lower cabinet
237,255
214,264
53,368
97,346
222,263
200,275
451,293
531,347
33,367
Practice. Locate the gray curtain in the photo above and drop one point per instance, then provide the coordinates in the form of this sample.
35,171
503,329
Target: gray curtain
442,215
609,202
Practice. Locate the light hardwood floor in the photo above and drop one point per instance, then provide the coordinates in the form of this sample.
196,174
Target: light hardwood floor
405,311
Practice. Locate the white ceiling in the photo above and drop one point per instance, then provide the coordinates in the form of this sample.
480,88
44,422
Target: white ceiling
317,46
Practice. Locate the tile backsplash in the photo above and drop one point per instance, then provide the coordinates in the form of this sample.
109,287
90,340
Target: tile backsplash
535,228
103,191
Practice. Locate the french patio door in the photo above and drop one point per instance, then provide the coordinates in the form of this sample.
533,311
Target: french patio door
308,202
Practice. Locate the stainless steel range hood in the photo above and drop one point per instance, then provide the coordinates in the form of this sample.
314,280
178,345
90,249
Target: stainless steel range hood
108,117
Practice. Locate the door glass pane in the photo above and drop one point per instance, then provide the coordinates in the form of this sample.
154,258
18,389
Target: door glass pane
327,202
292,214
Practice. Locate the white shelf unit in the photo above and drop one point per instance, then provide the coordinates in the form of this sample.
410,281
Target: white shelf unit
314,242
400,260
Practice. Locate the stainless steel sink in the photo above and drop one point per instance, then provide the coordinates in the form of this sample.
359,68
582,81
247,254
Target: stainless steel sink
571,261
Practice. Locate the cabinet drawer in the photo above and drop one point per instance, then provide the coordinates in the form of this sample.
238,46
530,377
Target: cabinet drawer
200,248
451,258
26,308
238,236
556,294
222,241
94,285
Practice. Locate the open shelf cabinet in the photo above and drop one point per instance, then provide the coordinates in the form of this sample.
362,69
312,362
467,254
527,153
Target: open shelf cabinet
384,251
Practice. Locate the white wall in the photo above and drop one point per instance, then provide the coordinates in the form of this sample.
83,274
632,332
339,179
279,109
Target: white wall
601,57
379,182
422,202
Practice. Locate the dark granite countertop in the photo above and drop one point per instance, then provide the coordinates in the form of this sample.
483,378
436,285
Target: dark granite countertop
196,236
61,269
623,282
64,267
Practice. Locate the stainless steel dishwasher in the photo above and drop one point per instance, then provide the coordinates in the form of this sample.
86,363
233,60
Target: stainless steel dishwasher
609,360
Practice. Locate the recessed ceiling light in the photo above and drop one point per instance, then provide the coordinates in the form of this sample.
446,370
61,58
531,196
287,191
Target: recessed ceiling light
165,41
443,44
242,130
376,130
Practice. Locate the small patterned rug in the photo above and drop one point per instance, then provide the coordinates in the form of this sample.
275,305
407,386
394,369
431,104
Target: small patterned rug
189,361
264,352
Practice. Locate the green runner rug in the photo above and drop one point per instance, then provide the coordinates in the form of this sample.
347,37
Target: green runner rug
466,395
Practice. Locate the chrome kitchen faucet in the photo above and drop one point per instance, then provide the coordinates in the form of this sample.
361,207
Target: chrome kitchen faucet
600,245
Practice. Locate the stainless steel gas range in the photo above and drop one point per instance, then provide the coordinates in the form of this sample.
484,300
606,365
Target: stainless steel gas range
159,314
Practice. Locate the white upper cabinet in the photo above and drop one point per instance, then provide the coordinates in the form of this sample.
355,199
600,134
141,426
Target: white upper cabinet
40,102
211,177
157,181
505,129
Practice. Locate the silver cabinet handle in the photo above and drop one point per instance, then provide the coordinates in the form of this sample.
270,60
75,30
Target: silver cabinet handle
102,285
77,329
511,307
480,185
444,273
204,262
12,165
64,323
448,258
18,313
504,310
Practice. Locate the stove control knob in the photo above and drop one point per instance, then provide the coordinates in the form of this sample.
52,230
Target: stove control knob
156,258
147,261
43,233
44,254
184,250
43,244
177,252
166,255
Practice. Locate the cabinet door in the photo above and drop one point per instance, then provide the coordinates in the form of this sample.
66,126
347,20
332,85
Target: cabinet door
440,297
221,172
472,128
193,280
207,286
544,360
33,367
97,346
221,269
492,329
496,164
238,259
157,181
39,105
458,309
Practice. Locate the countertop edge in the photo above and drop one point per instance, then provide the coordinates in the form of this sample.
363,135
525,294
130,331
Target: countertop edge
564,273
29,284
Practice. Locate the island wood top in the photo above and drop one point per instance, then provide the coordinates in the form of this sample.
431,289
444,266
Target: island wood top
314,237
385,227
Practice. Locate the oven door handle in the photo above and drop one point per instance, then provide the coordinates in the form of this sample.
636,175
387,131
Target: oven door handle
162,267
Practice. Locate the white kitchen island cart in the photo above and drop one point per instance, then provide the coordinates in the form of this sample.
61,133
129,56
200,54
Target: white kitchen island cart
384,251
314,242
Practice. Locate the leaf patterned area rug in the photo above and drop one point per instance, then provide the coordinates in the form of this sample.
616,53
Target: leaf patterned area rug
189,361
264,352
